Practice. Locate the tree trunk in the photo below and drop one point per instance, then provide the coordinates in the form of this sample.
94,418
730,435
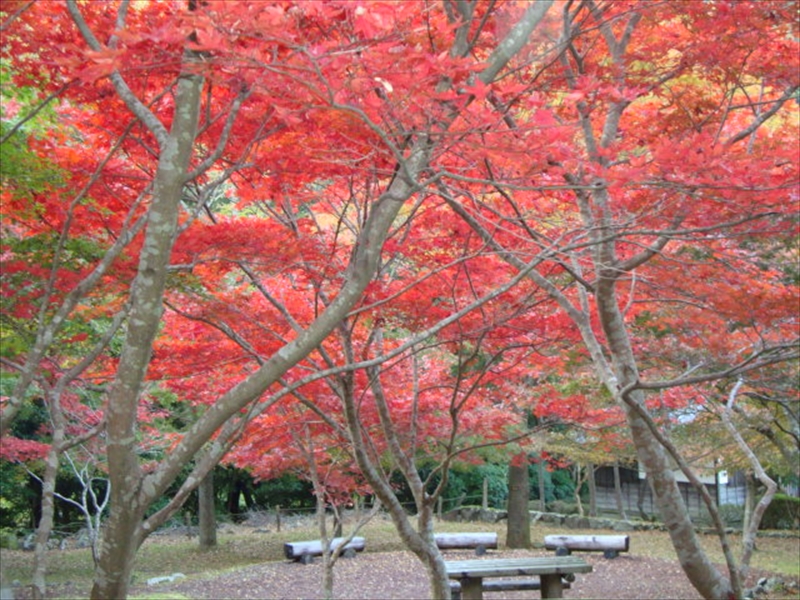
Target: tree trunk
121,539
133,492
322,523
207,515
703,574
542,490
580,477
129,498
642,492
750,493
232,502
519,517
756,512
45,526
618,493
592,490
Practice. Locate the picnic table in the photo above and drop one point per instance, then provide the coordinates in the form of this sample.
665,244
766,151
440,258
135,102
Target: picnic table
550,569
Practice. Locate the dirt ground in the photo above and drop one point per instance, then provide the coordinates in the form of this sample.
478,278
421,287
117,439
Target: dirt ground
398,575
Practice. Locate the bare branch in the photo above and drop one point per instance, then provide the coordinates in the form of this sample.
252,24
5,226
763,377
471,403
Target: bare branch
16,127
14,16
515,40
762,118
758,360
134,104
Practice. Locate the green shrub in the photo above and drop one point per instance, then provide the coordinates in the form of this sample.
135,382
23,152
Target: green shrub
782,513
558,484
732,514
562,507
8,540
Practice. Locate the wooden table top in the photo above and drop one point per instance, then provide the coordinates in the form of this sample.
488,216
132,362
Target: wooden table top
504,567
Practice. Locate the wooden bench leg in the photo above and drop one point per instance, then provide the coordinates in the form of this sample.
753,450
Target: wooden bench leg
472,589
551,586
455,590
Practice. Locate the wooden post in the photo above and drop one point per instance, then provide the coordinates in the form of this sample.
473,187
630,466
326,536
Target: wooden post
278,517
485,501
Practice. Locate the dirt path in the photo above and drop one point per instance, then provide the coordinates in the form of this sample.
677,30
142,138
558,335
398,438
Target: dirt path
388,575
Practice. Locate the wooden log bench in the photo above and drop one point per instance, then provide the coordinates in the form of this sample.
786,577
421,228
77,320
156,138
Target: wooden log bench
610,545
305,551
481,541
506,585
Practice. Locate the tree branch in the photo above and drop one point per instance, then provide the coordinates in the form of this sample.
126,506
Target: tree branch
136,106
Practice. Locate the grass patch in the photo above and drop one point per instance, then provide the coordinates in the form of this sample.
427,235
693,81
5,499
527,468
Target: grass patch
165,596
239,547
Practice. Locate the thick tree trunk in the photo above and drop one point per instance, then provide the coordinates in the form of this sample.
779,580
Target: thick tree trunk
129,498
207,515
703,574
519,517
121,539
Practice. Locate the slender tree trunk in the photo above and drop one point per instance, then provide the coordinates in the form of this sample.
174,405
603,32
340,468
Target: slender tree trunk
580,477
420,539
644,483
618,493
232,501
207,515
322,523
542,490
45,527
753,521
592,490
518,533
750,493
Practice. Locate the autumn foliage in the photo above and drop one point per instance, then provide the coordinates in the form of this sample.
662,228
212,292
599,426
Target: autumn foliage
605,210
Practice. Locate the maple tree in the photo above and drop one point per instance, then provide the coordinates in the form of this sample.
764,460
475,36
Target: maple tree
680,168
191,98
289,202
